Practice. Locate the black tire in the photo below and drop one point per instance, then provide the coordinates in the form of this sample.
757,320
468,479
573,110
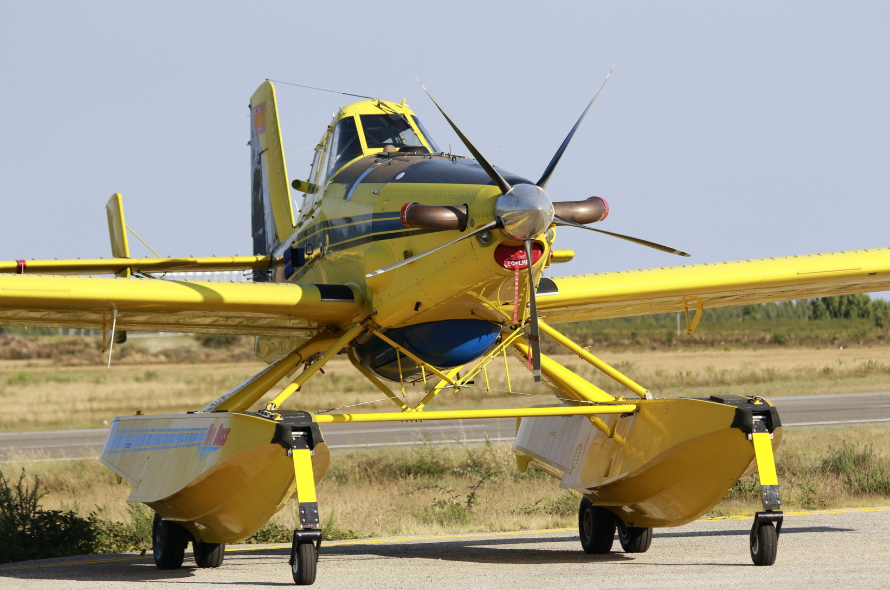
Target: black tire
209,554
305,564
168,543
764,545
596,527
634,539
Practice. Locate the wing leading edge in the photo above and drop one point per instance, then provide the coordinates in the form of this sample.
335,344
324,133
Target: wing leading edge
720,284
269,309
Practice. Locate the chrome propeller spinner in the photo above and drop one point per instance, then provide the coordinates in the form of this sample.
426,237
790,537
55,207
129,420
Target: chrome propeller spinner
525,212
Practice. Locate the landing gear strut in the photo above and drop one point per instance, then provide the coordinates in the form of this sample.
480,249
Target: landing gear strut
307,539
767,524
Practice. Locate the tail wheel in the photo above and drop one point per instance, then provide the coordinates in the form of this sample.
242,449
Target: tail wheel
764,544
168,542
209,554
305,564
596,527
634,539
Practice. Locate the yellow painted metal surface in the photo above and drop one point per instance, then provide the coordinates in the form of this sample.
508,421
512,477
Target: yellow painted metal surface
117,228
335,347
99,266
665,465
560,256
569,385
245,394
264,122
475,414
593,360
305,487
169,306
305,482
374,380
662,290
766,464
217,474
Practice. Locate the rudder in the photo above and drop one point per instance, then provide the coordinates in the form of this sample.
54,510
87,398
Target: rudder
272,214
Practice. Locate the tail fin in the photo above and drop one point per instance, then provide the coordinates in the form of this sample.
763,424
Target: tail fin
271,210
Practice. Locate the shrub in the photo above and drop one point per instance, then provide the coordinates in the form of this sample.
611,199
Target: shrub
218,340
857,467
29,532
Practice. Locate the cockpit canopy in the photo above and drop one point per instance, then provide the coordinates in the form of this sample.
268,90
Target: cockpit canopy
368,127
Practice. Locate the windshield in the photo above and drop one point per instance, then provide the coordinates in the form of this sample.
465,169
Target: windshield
426,135
345,145
384,130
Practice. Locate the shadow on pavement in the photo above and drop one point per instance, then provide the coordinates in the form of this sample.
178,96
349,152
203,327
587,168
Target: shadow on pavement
490,550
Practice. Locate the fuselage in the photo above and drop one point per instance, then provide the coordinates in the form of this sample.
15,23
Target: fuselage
350,226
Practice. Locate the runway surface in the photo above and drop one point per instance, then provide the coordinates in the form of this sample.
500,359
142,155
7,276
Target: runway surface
828,549
808,410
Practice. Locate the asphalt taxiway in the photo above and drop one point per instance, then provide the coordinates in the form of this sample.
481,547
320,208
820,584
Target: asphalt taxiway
809,410
819,549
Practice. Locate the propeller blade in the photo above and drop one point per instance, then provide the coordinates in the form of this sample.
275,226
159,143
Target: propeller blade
534,336
545,178
380,271
489,169
647,243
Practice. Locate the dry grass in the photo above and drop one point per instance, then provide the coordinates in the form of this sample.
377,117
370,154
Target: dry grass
429,489
37,394
815,471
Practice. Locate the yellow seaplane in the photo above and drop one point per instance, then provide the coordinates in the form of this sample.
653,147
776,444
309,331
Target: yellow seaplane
424,267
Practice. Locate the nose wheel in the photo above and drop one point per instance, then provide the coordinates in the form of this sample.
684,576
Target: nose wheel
304,556
765,537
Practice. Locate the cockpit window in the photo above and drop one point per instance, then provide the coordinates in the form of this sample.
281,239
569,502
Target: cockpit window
384,130
426,135
345,145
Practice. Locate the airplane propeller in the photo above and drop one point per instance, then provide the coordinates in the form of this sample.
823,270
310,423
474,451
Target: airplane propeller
522,212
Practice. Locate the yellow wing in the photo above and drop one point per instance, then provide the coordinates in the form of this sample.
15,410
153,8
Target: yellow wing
144,304
98,266
720,284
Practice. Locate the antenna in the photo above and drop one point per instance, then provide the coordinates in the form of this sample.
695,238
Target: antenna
321,89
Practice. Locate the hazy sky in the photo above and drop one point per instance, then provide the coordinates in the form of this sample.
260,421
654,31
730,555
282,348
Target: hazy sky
729,130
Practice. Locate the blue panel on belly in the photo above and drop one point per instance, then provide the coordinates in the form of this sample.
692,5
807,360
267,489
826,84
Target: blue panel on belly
444,345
